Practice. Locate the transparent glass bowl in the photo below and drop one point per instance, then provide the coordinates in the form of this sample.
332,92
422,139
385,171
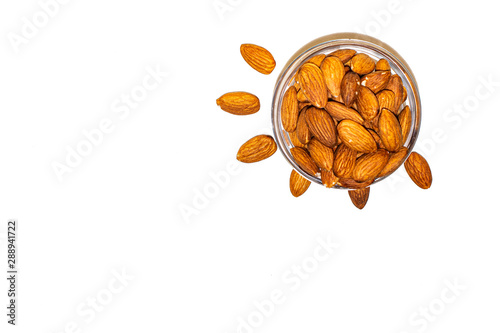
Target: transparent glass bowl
327,44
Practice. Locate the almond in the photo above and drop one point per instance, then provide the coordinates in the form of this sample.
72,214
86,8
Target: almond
386,100
303,133
352,184
304,160
344,162
382,65
339,112
362,64
298,184
419,171
328,178
349,88
257,149
360,197
321,126
395,161
405,122
356,137
295,140
396,86
333,70
344,54
376,137
389,130
367,103
370,165
317,60
376,81
290,110
321,154
312,82
239,103
301,97
258,58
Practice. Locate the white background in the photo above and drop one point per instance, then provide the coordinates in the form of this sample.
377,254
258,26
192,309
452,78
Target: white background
120,208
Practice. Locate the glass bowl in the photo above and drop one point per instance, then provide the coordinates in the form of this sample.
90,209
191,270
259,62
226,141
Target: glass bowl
327,44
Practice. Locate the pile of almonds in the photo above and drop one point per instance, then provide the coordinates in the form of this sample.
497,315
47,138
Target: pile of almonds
346,117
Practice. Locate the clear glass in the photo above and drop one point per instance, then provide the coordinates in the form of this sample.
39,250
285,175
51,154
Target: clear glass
327,44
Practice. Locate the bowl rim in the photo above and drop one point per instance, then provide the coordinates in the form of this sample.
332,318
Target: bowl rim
343,39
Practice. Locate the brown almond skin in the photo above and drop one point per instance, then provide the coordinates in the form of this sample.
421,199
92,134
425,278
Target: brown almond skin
349,88
312,83
317,60
362,64
376,137
419,171
367,103
321,154
303,133
395,84
339,112
257,149
382,65
344,54
298,184
295,141
386,100
290,110
333,70
376,81
328,178
389,130
360,197
356,137
301,97
344,161
404,118
395,161
239,103
258,58
352,184
321,126
370,165
304,160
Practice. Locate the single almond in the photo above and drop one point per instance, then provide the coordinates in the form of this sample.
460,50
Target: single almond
395,84
356,137
382,65
395,161
239,103
367,103
386,100
333,70
290,110
349,88
303,133
257,149
370,165
258,58
321,154
376,137
312,82
339,112
352,184
360,197
301,97
304,160
317,60
389,130
376,81
344,54
295,140
328,178
404,118
298,184
362,64
419,171
322,126
344,161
